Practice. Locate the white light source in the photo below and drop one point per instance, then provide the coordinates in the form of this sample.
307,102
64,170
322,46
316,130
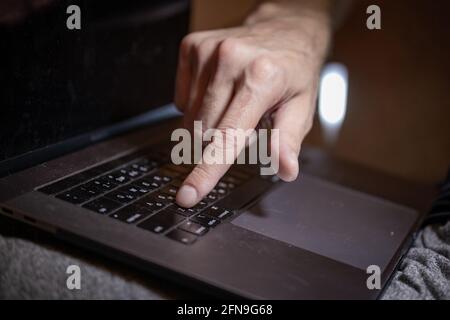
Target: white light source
333,95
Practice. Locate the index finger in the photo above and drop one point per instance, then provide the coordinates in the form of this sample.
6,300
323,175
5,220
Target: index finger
244,113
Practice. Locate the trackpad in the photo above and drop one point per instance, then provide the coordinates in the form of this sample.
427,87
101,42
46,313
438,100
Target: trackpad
330,220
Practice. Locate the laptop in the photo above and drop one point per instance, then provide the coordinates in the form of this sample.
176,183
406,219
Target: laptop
86,120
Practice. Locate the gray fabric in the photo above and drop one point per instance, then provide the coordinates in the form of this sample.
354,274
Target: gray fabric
425,271
34,267
29,271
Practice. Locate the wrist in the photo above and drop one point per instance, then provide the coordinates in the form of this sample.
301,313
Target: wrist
307,23
319,10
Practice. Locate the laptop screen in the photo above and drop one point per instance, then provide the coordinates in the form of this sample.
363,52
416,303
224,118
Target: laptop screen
59,82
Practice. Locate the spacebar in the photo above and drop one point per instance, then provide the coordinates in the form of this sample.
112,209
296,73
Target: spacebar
245,194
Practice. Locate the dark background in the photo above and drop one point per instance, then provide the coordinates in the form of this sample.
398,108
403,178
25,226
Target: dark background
57,83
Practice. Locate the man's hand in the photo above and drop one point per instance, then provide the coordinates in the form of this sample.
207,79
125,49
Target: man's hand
231,78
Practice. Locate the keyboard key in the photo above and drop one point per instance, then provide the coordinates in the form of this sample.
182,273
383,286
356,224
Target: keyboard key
221,185
184,211
161,178
147,183
134,190
91,189
131,214
219,192
205,220
142,168
142,190
217,212
150,204
164,198
121,196
102,205
67,183
226,185
74,196
104,184
170,190
231,186
182,236
130,172
156,202
193,228
169,173
161,222
200,206
118,177
211,197
144,165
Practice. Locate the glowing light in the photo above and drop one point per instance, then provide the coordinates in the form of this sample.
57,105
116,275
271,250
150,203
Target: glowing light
333,95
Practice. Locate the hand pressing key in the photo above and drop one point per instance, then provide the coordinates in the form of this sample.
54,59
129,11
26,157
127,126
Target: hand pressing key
231,78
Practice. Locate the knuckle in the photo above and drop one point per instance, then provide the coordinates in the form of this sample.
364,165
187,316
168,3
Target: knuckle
267,8
229,49
187,42
263,69
192,41
264,9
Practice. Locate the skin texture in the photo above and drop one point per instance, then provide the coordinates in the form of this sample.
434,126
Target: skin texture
269,66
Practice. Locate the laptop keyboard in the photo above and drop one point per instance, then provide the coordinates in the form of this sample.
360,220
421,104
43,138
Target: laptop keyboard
140,189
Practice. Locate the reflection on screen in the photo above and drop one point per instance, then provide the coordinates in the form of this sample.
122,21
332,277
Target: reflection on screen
59,83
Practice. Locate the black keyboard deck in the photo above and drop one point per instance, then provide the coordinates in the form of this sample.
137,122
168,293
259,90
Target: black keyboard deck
140,189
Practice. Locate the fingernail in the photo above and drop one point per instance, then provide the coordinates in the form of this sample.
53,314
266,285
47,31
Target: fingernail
187,196
293,167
